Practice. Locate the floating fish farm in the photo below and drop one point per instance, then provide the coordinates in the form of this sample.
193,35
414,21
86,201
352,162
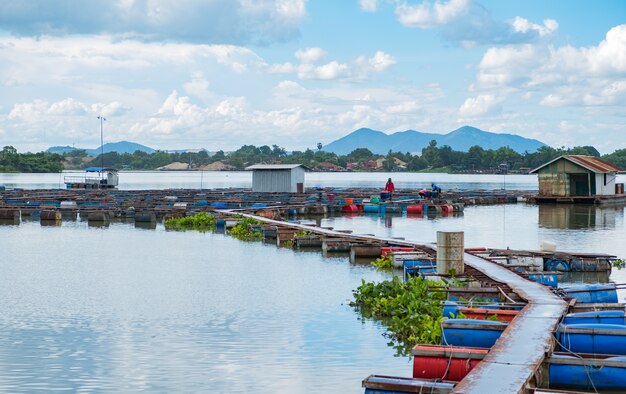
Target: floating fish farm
514,329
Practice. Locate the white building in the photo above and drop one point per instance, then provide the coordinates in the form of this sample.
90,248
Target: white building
278,178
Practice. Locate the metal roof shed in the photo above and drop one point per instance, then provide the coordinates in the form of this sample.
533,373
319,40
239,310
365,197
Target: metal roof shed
576,175
278,178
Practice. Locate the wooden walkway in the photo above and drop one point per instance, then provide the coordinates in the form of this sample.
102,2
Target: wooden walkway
514,362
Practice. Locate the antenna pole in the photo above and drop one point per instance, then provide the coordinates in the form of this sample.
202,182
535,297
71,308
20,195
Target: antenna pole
102,118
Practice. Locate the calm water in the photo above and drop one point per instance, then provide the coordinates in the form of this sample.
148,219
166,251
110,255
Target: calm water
126,309
208,179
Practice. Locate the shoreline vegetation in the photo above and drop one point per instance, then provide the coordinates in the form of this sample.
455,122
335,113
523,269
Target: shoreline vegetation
431,159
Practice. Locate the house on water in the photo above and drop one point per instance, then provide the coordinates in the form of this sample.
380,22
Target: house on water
579,179
94,178
278,178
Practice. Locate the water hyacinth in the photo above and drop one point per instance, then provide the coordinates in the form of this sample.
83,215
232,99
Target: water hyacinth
201,221
244,230
411,311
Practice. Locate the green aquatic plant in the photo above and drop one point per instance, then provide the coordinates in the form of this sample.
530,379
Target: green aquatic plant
411,311
244,230
383,263
618,263
302,233
201,221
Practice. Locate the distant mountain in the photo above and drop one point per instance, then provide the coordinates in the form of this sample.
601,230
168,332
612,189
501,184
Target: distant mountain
413,141
119,147
60,149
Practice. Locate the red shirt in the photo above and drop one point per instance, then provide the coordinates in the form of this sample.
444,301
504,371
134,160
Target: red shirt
389,187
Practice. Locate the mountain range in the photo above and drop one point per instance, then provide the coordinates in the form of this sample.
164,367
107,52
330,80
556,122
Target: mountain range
376,141
119,147
413,141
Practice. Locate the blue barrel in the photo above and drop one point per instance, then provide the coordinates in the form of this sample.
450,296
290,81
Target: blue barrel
556,265
370,208
545,279
218,205
472,333
574,376
595,317
592,338
593,293
220,223
450,309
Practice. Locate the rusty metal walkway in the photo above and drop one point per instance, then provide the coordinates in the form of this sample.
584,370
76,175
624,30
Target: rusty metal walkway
514,362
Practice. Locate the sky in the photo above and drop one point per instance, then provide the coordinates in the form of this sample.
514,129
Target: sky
218,74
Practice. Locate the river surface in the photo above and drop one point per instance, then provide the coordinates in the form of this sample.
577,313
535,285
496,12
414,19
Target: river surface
137,180
126,309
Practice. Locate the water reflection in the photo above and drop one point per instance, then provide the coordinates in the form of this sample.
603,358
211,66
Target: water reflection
576,216
146,225
584,277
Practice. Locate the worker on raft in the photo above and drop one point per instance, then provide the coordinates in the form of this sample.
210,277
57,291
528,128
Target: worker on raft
436,190
390,188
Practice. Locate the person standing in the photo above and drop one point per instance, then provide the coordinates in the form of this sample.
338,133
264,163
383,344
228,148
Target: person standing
390,188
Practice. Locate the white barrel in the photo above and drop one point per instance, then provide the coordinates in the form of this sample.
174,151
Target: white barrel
547,246
450,250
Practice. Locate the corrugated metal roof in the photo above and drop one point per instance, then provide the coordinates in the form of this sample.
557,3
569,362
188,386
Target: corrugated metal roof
591,163
275,167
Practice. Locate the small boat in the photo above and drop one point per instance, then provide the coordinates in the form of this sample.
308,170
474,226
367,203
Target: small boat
94,178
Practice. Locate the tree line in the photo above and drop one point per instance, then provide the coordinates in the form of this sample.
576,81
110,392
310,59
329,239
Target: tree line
432,158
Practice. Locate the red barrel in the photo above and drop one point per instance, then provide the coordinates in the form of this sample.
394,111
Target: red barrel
350,208
391,249
415,209
431,361
484,314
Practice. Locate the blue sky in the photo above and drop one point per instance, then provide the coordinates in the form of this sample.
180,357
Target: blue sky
222,73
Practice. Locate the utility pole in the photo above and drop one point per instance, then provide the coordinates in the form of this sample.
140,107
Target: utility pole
102,119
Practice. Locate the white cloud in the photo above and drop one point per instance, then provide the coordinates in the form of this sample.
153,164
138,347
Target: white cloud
359,68
480,105
310,55
69,107
522,25
200,21
468,24
368,5
198,86
425,15
381,61
594,75
406,107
